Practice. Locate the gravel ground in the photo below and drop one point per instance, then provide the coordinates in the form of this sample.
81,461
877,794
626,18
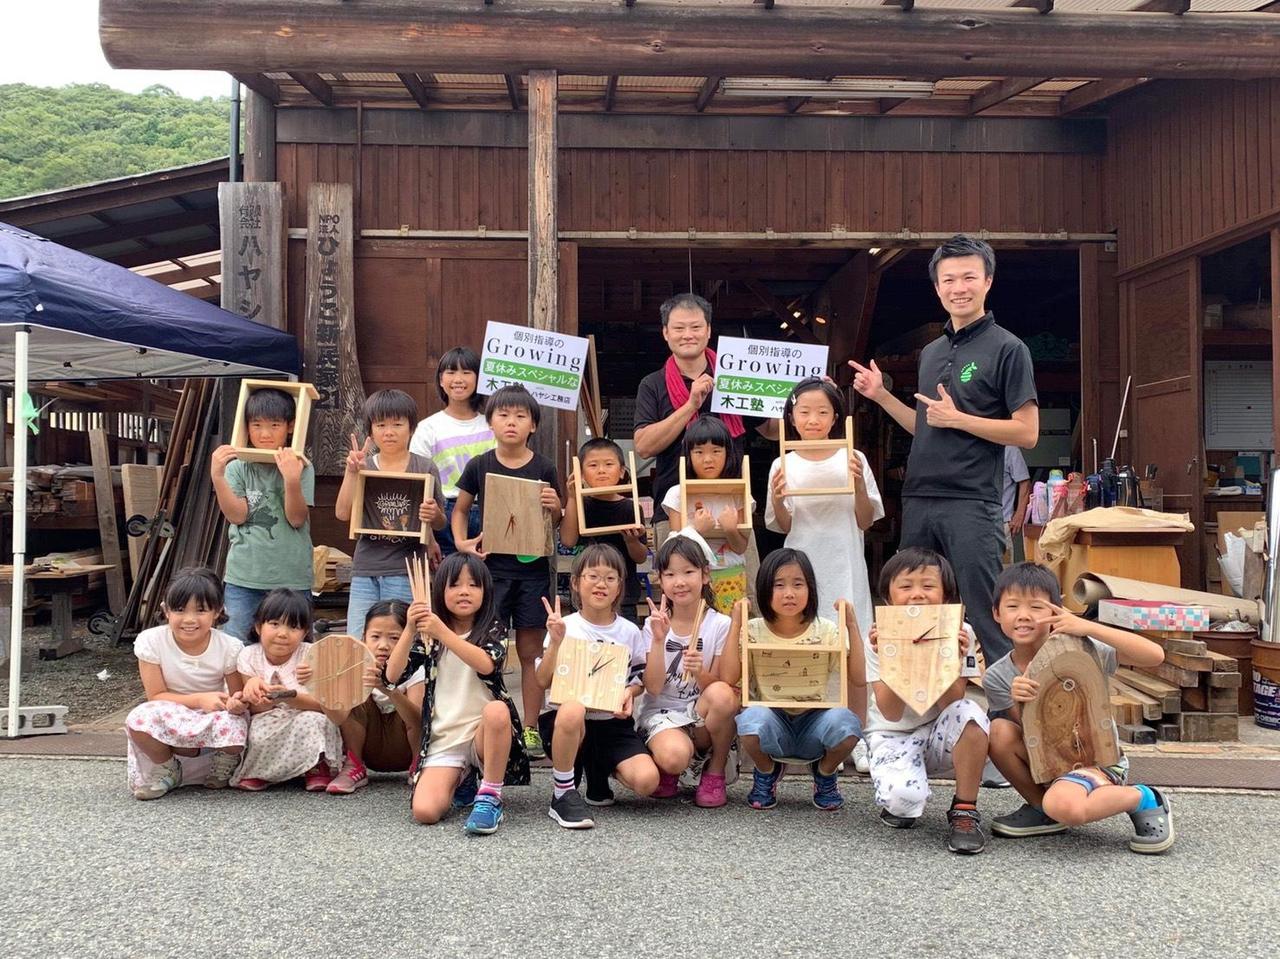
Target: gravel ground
89,871
73,681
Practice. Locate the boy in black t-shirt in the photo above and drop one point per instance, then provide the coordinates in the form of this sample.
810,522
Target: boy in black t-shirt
602,465
519,587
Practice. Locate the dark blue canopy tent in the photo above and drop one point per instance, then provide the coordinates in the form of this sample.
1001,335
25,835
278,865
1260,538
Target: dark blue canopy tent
75,317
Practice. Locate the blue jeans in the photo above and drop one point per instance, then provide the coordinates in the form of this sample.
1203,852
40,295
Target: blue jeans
240,603
445,536
806,736
367,590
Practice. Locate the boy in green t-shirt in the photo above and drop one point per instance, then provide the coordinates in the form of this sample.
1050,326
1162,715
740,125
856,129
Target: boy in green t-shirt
268,507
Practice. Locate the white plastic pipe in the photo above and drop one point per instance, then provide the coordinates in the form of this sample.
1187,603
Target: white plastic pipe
20,346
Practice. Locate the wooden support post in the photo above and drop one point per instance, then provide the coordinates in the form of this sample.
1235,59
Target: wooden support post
259,138
108,531
1275,334
544,249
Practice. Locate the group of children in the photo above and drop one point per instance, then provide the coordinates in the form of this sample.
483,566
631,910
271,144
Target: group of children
231,709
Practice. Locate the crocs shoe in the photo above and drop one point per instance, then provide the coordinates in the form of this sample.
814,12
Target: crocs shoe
826,791
352,776
317,778
764,788
668,786
711,792
166,777
1027,820
221,769
486,816
1153,828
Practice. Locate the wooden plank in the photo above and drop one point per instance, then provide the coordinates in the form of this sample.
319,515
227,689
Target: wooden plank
1180,644
108,528
141,498
254,238
1200,664
1068,724
1136,734
1222,663
1184,678
1208,728
1224,680
919,651
515,524
543,248
694,40
329,326
1168,695
1152,708
1169,732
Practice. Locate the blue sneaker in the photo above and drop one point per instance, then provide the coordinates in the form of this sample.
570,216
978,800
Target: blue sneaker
826,793
485,816
764,788
465,794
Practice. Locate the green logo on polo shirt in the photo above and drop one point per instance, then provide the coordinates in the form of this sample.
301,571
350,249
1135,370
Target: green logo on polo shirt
966,374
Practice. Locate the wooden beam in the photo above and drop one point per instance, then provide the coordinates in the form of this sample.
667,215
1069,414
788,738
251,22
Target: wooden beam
260,84
112,233
543,232
513,89
1040,6
610,93
708,90
676,40
1000,91
1178,7
417,89
159,254
259,138
1094,93
108,525
314,85
181,273
780,310
905,5
886,258
792,104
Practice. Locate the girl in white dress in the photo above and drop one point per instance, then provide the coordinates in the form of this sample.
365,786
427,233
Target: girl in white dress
827,528
288,737
192,726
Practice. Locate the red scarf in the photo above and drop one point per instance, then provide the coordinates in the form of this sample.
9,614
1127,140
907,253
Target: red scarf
679,393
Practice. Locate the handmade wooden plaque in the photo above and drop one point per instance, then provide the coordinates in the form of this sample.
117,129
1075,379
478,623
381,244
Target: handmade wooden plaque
740,489
386,504
337,666
591,673
1069,724
846,444
515,523
793,675
591,492
304,394
918,648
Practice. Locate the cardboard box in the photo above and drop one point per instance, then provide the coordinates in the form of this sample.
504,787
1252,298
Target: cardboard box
1148,614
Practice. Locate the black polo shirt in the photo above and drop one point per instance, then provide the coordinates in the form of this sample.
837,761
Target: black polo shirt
988,372
653,405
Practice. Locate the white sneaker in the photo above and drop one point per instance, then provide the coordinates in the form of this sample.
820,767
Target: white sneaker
861,757
164,778
221,769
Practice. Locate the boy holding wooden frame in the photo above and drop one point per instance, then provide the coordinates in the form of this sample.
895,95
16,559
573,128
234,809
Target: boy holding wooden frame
1027,605
521,582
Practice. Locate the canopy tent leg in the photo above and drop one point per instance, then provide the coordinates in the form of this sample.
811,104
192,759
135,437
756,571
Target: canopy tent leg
20,346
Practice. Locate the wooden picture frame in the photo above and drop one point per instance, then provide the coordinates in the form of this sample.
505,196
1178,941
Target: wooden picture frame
919,652
582,492
304,395
363,520
1069,724
691,488
514,522
785,445
338,663
784,670
591,673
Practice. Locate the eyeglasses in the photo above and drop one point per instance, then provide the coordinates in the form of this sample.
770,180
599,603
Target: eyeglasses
596,579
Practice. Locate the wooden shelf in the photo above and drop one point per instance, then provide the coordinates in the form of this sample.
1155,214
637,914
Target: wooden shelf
1237,338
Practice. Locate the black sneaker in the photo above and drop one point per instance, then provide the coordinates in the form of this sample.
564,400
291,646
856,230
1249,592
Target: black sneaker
1026,820
570,811
964,831
897,822
599,794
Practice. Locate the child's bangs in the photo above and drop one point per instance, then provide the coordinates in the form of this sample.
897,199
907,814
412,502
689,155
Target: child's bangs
285,606
193,583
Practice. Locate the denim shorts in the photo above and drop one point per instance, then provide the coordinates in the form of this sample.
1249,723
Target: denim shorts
365,591
807,735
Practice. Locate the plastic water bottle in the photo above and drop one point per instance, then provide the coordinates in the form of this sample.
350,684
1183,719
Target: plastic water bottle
1055,492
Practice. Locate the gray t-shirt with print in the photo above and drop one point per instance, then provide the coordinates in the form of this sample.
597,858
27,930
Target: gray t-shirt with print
385,555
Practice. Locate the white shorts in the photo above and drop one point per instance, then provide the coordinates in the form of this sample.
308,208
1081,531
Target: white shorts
658,720
903,760
459,757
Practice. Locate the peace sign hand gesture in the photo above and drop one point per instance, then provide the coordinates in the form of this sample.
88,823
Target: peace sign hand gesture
659,620
555,622
357,455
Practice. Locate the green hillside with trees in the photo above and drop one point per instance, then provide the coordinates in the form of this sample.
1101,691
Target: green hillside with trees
58,137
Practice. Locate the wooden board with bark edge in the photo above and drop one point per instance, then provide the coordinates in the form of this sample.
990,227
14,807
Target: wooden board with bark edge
740,489
514,523
364,520
791,675
582,492
338,664
785,445
919,651
303,394
1069,724
591,673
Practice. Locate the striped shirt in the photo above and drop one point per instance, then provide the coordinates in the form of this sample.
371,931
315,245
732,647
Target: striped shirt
450,444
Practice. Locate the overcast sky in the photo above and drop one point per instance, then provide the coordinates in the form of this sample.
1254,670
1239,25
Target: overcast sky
51,43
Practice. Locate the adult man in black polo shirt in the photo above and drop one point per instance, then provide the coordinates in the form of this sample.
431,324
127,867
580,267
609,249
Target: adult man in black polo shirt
660,423
977,395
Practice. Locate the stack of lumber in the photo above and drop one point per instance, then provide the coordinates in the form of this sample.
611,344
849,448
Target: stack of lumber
330,568
65,490
1192,697
187,528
